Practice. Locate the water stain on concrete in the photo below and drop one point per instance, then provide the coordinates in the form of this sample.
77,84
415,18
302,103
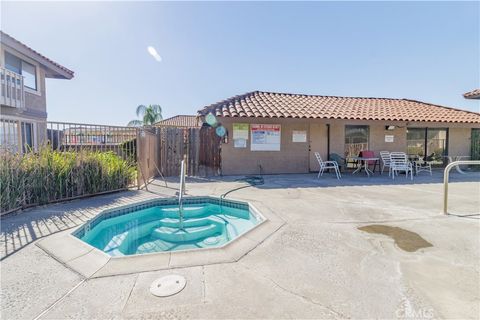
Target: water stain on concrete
406,240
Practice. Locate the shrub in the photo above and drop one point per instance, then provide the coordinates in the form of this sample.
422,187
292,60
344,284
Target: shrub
36,178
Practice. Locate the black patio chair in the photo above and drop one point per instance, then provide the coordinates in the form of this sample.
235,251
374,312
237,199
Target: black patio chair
342,162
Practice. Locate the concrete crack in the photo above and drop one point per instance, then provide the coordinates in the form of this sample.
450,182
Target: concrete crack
298,295
130,294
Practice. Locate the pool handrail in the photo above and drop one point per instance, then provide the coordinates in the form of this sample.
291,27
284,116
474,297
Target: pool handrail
446,174
180,193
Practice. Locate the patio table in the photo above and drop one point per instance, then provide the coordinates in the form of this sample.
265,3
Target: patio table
457,158
364,164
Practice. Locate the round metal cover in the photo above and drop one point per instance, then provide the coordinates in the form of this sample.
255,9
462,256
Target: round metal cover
168,285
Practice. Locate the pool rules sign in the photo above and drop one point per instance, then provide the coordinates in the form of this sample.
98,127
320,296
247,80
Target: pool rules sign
265,137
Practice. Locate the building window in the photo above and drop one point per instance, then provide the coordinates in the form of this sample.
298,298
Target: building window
429,142
27,70
29,74
27,136
9,135
356,140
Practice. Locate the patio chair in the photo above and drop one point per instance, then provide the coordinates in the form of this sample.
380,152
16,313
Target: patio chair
424,164
342,162
399,163
327,165
370,154
385,156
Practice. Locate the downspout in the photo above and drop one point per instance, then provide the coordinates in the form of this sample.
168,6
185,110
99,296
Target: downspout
328,141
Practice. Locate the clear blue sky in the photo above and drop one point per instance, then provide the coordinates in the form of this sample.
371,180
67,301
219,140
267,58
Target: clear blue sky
210,51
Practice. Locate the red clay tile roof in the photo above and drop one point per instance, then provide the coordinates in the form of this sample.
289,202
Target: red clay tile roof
475,94
285,105
184,121
3,34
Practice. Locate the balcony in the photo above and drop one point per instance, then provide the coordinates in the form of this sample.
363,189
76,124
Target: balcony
12,89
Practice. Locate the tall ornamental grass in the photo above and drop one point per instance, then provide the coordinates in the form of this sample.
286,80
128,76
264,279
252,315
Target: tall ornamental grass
36,178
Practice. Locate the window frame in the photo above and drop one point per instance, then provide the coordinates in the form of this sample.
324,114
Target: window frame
35,73
350,126
29,61
426,139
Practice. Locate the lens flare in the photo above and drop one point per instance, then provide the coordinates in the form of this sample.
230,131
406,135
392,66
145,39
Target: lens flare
153,52
211,120
221,131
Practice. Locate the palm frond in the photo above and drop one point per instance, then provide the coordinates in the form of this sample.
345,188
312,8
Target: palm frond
141,109
135,123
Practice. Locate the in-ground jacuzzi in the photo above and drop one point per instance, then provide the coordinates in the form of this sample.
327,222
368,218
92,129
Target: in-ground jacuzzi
154,226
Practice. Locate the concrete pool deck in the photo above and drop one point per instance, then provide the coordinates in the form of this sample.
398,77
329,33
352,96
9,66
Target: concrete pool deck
316,265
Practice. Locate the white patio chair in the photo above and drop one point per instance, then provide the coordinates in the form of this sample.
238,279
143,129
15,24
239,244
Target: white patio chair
399,163
385,156
327,165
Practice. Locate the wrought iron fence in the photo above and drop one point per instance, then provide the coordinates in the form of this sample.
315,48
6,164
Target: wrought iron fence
43,162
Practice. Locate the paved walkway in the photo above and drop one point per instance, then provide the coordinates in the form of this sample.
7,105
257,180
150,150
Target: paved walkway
318,265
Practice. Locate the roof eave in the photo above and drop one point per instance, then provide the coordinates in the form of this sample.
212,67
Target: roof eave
52,70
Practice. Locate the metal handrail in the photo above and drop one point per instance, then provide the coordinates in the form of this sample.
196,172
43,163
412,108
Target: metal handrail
180,194
446,178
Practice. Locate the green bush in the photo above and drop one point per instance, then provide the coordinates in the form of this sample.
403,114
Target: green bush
36,178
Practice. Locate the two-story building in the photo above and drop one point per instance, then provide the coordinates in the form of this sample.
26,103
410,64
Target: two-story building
23,104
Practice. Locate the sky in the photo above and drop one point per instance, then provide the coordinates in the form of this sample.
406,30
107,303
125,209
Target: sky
210,51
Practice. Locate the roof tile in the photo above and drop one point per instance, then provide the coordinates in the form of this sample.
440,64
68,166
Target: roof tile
182,121
282,105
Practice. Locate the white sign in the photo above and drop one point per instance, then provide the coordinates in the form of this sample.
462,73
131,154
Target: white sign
265,137
299,136
239,143
240,131
388,138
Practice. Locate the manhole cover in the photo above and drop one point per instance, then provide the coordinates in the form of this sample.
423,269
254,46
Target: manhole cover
168,285
211,240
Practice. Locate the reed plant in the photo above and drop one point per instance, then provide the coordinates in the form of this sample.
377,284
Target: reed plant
36,178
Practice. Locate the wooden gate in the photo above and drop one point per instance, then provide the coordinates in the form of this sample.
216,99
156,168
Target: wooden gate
210,161
199,147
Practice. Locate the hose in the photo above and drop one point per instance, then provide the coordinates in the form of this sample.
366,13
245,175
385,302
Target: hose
251,180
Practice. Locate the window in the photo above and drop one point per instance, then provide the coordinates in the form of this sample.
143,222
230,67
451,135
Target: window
9,135
356,140
416,141
27,70
27,136
29,74
430,142
13,63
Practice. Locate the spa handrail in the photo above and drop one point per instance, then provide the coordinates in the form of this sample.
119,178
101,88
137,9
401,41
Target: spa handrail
446,178
180,193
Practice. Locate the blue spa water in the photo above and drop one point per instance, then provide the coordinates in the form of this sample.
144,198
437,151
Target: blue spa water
156,229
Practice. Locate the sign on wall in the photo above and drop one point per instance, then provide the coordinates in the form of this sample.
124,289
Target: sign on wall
388,138
240,135
240,131
265,137
299,136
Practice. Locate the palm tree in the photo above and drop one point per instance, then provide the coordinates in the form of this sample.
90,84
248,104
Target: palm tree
149,115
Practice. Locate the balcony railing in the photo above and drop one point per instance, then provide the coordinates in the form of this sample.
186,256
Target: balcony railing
12,89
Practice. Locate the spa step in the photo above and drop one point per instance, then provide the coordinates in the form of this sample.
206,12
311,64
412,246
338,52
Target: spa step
197,222
189,234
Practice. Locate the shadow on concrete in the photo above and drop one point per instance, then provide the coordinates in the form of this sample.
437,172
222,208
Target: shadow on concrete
349,180
19,229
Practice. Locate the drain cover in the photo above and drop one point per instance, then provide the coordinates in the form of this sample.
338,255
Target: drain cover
211,240
168,285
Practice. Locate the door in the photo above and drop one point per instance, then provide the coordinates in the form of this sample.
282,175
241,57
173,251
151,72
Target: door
318,143
475,152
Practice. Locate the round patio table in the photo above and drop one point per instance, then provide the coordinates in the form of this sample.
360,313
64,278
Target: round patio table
364,164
